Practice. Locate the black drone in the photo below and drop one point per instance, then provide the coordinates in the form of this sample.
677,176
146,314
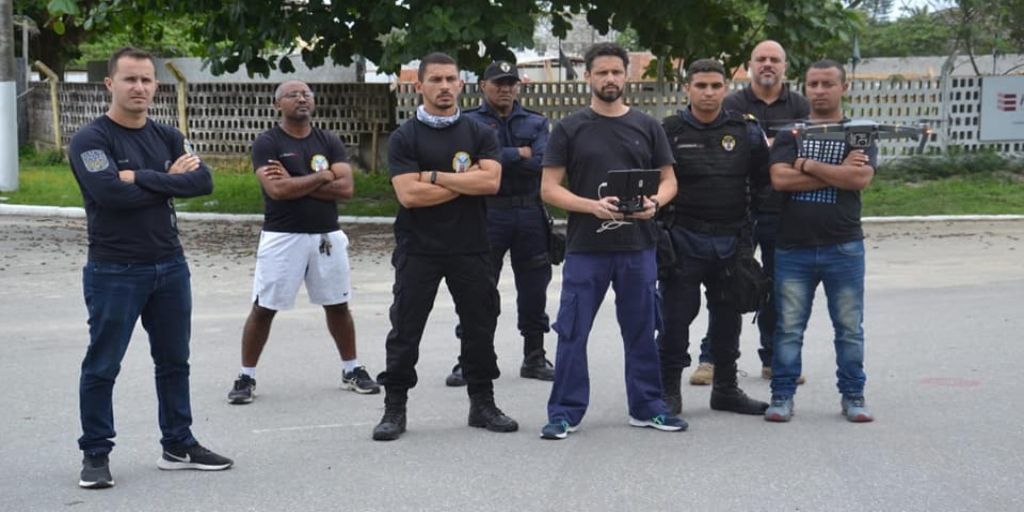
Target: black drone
860,133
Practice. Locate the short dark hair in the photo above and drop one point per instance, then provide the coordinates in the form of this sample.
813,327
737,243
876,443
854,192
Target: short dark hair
130,52
829,63
704,66
606,50
434,58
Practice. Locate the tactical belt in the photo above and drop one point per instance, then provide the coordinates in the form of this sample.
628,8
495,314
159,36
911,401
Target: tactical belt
512,201
710,228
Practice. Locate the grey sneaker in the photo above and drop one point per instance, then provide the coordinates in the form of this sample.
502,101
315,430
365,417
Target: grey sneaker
243,391
557,430
359,380
780,410
662,422
95,472
192,457
856,410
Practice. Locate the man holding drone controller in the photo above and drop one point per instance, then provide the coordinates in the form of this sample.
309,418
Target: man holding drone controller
820,241
606,247
720,155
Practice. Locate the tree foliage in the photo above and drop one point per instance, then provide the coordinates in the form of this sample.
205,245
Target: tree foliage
260,34
71,31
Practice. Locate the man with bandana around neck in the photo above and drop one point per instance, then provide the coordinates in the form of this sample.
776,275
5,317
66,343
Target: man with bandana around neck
442,165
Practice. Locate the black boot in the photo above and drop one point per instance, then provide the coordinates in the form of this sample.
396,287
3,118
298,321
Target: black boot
726,395
536,366
670,384
392,424
484,413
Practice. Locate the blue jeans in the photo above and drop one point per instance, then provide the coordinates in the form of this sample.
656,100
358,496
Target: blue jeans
585,280
116,295
840,268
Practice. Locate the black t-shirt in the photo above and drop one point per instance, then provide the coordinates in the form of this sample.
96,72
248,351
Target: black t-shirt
589,145
133,222
458,226
789,106
826,216
300,157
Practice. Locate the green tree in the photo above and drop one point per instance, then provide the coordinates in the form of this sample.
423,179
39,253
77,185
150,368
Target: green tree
260,34
75,31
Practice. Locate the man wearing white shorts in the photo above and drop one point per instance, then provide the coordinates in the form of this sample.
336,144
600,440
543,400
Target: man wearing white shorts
303,172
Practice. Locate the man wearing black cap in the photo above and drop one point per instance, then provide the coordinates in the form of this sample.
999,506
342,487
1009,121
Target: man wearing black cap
516,219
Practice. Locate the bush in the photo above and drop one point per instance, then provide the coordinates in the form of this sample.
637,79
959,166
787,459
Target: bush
954,164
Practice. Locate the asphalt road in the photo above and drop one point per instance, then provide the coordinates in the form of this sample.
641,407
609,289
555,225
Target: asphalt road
944,358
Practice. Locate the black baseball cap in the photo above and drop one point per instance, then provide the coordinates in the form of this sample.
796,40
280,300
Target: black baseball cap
501,69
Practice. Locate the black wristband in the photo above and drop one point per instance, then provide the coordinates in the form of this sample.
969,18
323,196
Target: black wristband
433,177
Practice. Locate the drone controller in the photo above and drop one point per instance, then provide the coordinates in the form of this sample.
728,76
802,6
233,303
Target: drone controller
631,187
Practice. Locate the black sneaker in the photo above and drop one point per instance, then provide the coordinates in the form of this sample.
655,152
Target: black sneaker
243,391
193,457
455,379
359,380
483,413
536,366
95,472
392,424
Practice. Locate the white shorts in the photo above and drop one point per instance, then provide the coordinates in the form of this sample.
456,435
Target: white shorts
286,260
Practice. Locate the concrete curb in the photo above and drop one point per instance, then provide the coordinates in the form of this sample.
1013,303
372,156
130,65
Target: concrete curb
76,212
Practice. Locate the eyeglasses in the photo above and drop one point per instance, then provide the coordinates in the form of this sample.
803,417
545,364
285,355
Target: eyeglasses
294,95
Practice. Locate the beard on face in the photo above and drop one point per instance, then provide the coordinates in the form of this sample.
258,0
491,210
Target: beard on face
609,94
767,80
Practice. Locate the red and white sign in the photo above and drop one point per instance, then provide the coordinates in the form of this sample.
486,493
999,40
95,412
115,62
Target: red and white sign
1002,109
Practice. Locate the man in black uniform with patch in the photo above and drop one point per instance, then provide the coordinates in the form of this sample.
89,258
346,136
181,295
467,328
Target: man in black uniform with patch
770,100
516,220
718,155
303,171
129,169
442,165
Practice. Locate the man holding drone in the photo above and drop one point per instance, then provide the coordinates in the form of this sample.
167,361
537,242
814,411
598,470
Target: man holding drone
820,241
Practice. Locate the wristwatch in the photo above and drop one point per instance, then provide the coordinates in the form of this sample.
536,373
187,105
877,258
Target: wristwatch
433,177
657,205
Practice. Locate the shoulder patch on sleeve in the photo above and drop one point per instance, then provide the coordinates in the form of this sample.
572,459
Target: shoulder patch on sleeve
95,160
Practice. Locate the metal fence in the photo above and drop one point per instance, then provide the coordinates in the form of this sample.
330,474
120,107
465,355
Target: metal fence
224,118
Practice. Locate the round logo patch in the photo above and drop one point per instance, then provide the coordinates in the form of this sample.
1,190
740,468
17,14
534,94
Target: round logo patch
318,163
728,143
461,162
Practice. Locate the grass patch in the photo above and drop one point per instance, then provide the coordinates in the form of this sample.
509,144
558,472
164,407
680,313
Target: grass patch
235,190
956,184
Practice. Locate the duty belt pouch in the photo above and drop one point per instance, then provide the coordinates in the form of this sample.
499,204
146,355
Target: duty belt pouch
665,250
745,284
666,253
556,242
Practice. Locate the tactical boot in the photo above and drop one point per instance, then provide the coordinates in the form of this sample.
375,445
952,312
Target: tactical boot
536,366
727,396
670,383
392,424
483,413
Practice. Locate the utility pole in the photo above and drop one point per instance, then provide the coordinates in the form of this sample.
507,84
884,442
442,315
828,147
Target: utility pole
8,100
